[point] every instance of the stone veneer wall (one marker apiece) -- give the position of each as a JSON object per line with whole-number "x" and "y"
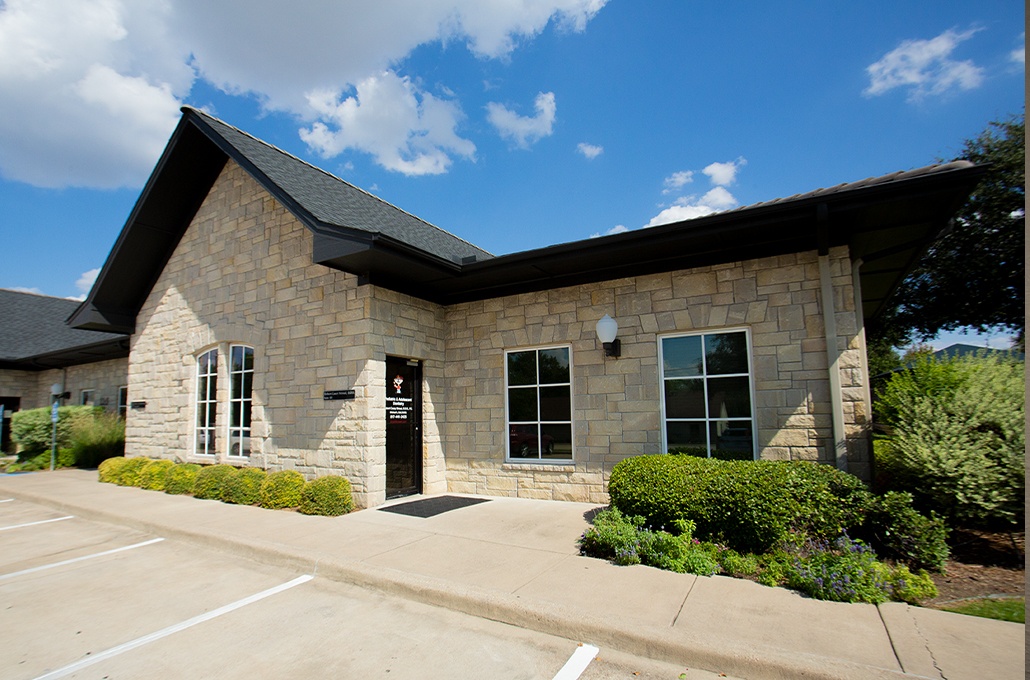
{"x": 617, "y": 407}
{"x": 242, "y": 273}
{"x": 33, "y": 387}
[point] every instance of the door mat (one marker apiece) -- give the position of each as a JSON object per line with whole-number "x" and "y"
{"x": 428, "y": 507}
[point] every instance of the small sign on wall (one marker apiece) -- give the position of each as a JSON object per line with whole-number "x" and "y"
{"x": 138, "y": 405}
{"x": 336, "y": 395}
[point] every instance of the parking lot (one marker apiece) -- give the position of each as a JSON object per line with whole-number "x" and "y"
{"x": 83, "y": 599}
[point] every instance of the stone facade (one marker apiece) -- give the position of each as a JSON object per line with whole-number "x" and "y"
{"x": 617, "y": 404}
{"x": 243, "y": 274}
{"x": 103, "y": 378}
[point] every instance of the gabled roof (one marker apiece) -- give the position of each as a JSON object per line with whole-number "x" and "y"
{"x": 887, "y": 222}
{"x": 34, "y": 335}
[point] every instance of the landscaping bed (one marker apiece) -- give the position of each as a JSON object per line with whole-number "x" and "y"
{"x": 982, "y": 564}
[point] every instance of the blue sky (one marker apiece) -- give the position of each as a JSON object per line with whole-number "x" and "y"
{"x": 514, "y": 125}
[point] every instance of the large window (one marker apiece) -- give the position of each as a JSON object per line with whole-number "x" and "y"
{"x": 241, "y": 381}
{"x": 207, "y": 403}
{"x": 706, "y": 394}
{"x": 539, "y": 403}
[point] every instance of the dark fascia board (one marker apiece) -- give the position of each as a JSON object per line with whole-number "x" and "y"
{"x": 117, "y": 348}
{"x": 922, "y": 204}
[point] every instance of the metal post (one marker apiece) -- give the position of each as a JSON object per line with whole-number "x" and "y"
{"x": 53, "y": 436}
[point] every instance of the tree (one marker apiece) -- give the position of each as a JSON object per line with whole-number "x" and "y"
{"x": 972, "y": 275}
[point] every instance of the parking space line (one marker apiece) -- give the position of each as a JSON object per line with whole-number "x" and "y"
{"x": 6, "y": 500}
{"x": 165, "y": 632}
{"x": 32, "y": 524}
{"x": 577, "y": 663}
{"x": 80, "y": 559}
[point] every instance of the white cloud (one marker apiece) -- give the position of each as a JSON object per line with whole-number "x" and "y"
{"x": 85, "y": 282}
{"x": 1018, "y": 55}
{"x": 925, "y": 67}
{"x": 403, "y": 128}
{"x": 524, "y": 130}
{"x": 724, "y": 174}
{"x": 715, "y": 200}
{"x": 617, "y": 229}
{"x": 677, "y": 180}
{"x": 91, "y": 88}
{"x": 590, "y": 151}
{"x": 23, "y": 289}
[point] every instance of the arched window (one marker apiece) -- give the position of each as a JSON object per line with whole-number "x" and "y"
{"x": 241, "y": 383}
{"x": 207, "y": 403}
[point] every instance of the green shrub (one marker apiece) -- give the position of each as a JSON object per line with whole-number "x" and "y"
{"x": 109, "y": 470}
{"x": 210, "y": 479}
{"x": 847, "y": 571}
{"x": 282, "y": 489}
{"x": 329, "y": 495}
{"x": 244, "y": 487}
{"x": 958, "y": 437}
{"x": 180, "y": 478}
{"x": 95, "y": 439}
{"x": 625, "y": 540}
{"x": 129, "y": 472}
{"x": 750, "y": 506}
{"x": 153, "y": 474}
{"x": 897, "y": 532}
{"x": 32, "y": 429}
{"x": 64, "y": 459}
{"x": 734, "y": 564}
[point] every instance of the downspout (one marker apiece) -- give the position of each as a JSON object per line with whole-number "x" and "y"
{"x": 840, "y": 447}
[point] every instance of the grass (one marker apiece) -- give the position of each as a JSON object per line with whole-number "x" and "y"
{"x": 1003, "y": 609}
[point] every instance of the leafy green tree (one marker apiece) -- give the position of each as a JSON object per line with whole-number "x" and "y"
{"x": 972, "y": 276}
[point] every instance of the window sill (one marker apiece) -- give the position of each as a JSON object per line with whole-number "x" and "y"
{"x": 540, "y": 466}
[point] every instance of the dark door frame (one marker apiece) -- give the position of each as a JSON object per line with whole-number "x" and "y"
{"x": 404, "y": 442}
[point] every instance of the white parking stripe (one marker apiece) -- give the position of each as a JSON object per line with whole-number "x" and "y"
{"x": 6, "y": 500}
{"x": 80, "y": 559}
{"x": 165, "y": 632}
{"x": 32, "y": 524}
{"x": 577, "y": 663}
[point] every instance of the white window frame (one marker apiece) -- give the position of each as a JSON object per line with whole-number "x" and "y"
{"x": 539, "y": 423}
{"x": 704, "y": 377}
{"x": 203, "y": 401}
{"x": 244, "y": 400}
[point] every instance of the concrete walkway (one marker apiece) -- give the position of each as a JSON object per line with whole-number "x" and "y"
{"x": 516, "y": 561}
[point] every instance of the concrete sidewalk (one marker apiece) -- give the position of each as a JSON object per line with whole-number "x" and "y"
{"x": 516, "y": 561}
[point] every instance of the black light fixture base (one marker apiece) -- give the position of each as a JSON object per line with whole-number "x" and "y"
{"x": 613, "y": 348}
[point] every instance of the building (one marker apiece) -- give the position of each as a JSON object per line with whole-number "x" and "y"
{"x": 280, "y": 317}
{"x": 39, "y": 350}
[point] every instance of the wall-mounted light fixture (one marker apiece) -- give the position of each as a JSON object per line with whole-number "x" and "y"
{"x": 607, "y": 328}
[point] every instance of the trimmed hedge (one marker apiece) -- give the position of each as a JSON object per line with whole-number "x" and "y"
{"x": 326, "y": 496}
{"x": 244, "y": 487}
{"x": 282, "y": 489}
{"x": 153, "y": 474}
{"x": 750, "y": 506}
{"x": 180, "y": 478}
{"x": 109, "y": 469}
{"x": 129, "y": 472}
{"x": 210, "y": 481}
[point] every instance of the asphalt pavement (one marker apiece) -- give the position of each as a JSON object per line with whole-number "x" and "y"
{"x": 516, "y": 561}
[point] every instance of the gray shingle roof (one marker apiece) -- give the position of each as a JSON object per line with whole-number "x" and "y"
{"x": 336, "y": 203}
{"x": 33, "y": 325}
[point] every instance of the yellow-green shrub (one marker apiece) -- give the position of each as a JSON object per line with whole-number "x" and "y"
{"x": 180, "y": 477}
{"x": 326, "y": 496}
{"x": 282, "y": 489}
{"x": 128, "y": 474}
{"x": 109, "y": 469}
{"x": 153, "y": 474}
{"x": 210, "y": 479}
{"x": 244, "y": 487}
